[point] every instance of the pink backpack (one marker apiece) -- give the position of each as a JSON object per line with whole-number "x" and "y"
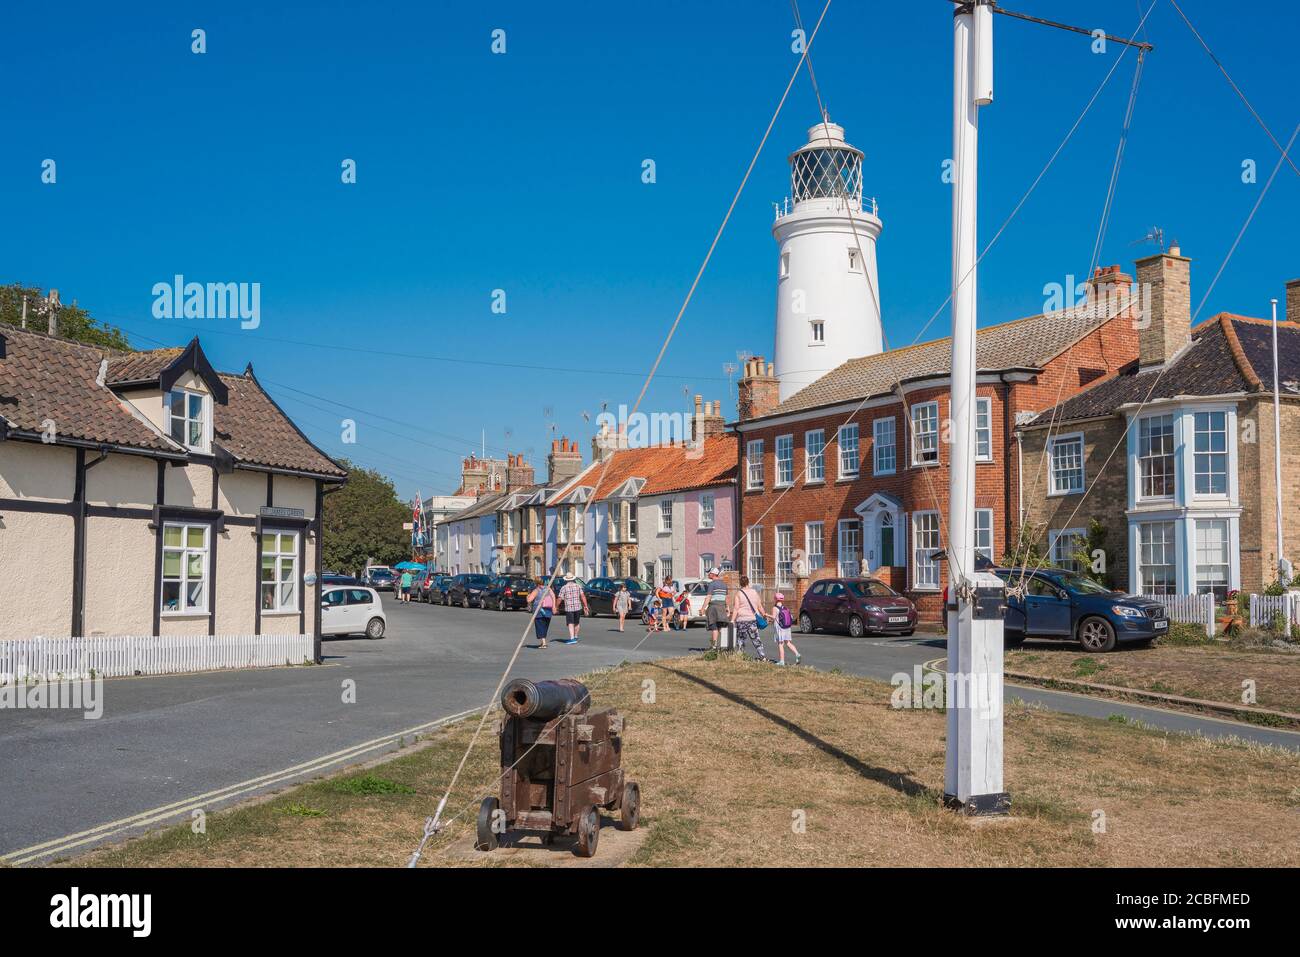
{"x": 784, "y": 617}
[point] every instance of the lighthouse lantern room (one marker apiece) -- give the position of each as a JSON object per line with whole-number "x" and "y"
{"x": 828, "y": 297}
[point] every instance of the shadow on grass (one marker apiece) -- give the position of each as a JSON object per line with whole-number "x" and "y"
{"x": 902, "y": 783}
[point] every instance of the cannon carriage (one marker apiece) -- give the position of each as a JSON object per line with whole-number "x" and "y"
{"x": 561, "y": 764}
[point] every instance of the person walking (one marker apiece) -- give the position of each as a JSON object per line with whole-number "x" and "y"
{"x": 715, "y": 606}
{"x": 622, "y": 603}
{"x": 666, "y": 594}
{"x": 406, "y": 587}
{"x": 542, "y": 601}
{"x": 574, "y": 600}
{"x": 746, "y": 610}
{"x": 784, "y": 626}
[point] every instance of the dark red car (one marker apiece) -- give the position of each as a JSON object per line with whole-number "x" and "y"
{"x": 858, "y": 606}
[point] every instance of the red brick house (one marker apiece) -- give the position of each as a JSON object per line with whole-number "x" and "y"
{"x": 846, "y": 474}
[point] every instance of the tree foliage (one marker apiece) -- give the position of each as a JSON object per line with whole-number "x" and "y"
{"x": 363, "y": 520}
{"x": 74, "y": 322}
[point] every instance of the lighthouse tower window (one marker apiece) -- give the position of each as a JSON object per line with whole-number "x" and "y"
{"x": 818, "y": 329}
{"x": 785, "y": 265}
{"x": 855, "y": 261}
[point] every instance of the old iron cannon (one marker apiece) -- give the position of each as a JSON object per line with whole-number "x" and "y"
{"x": 560, "y": 764}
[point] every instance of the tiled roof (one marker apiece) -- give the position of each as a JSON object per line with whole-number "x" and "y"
{"x": 484, "y": 506}
{"x": 1027, "y": 343}
{"x": 42, "y": 377}
{"x": 255, "y": 430}
{"x": 1229, "y": 354}
{"x": 126, "y": 367}
{"x": 671, "y": 468}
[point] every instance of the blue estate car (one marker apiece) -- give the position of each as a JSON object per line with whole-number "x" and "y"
{"x": 1059, "y": 604}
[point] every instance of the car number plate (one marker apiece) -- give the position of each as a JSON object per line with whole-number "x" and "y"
{"x": 897, "y": 619}
{"x": 1161, "y": 623}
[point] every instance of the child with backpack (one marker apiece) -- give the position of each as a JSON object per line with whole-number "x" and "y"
{"x": 784, "y": 625}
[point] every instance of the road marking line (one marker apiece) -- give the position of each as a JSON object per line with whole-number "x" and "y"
{"x": 153, "y": 815}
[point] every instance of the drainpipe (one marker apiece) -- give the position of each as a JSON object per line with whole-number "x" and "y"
{"x": 1277, "y": 449}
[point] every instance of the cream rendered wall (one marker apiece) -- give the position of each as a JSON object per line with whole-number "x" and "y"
{"x": 241, "y": 493}
{"x": 47, "y": 473}
{"x": 35, "y": 549}
{"x": 35, "y": 579}
{"x": 293, "y": 492}
{"x": 237, "y": 571}
{"x": 189, "y": 485}
{"x": 122, "y": 480}
{"x": 119, "y": 574}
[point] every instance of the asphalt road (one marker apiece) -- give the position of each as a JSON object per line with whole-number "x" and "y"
{"x": 165, "y": 746}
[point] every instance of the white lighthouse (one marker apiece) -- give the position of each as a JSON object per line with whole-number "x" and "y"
{"x": 828, "y": 297}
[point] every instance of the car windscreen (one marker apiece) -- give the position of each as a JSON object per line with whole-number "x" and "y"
{"x": 636, "y": 584}
{"x": 477, "y": 579}
{"x": 871, "y": 589}
{"x": 1083, "y": 585}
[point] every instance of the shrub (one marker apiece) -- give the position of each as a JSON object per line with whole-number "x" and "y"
{"x": 1182, "y": 633}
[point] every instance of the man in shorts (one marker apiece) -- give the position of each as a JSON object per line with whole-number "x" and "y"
{"x": 715, "y": 606}
{"x": 574, "y": 600}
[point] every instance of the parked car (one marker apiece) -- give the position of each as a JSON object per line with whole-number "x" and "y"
{"x": 1060, "y": 604}
{"x": 333, "y": 578}
{"x": 467, "y": 590}
{"x": 379, "y": 577}
{"x": 508, "y": 592}
{"x": 352, "y": 610}
{"x": 438, "y": 589}
{"x": 858, "y": 606}
{"x": 601, "y": 592}
{"x": 420, "y": 587}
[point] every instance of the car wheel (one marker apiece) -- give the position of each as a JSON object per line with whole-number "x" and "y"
{"x": 1096, "y": 634}
{"x": 501, "y": 604}
{"x": 806, "y": 624}
{"x": 856, "y": 628}
{"x": 464, "y": 602}
{"x": 375, "y": 628}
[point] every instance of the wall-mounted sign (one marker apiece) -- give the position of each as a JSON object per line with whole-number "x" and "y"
{"x": 280, "y": 511}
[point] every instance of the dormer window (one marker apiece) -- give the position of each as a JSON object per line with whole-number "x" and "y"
{"x": 187, "y": 418}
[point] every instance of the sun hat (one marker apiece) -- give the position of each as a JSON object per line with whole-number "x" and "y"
{"x": 715, "y": 570}
{"x": 568, "y": 577}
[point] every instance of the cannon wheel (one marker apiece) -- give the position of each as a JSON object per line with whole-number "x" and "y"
{"x": 588, "y": 832}
{"x": 629, "y": 814}
{"x": 488, "y": 839}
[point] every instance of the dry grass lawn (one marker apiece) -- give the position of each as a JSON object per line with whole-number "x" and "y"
{"x": 731, "y": 754}
{"x": 1207, "y": 672}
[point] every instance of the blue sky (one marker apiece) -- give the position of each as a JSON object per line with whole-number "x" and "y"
{"x": 522, "y": 172}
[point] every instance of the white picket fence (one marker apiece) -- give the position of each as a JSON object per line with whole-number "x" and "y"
{"x": 1263, "y": 608}
{"x": 1189, "y": 609}
{"x": 116, "y": 656}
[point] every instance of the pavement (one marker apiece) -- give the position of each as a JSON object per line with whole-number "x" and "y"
{"x": 167, "y": 746}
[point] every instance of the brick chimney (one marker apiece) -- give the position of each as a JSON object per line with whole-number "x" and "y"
{"x": 473, "y": 475}
{"x": 1109, "y": 291}
{"x": 1293, "y": 301}
{"x": 605, "y": 442}
{"x": 1165, "y": 286}
{"x": 758, "y": 391}
{"x": 519, "y": 474}
{"x": 708, "y": 419}
{"x": 564, "y": 462}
